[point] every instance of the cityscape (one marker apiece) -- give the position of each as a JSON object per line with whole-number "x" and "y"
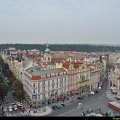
{"x": 60, "y": 58}
{"x": 59, "y": 83}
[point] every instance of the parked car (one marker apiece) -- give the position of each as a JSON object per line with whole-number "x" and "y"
{"x": 15, "y": 107}
{"x": 63, "y": 105}
{"x": 92, "y": 93}
{"x": 10, "y": 108}
{"x": 22, "y": 109}
{"x": 97, "y": 91}
{"x": 81, "y": 97}
{"x": 54, "y": 107}
{"x": 58, "y": 106}
{"x": 99, "y": 88}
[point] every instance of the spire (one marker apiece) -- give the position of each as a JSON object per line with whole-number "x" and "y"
{"x": 47, "y": 50}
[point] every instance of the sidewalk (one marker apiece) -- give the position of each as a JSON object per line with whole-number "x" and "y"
{"x": 109, "y": 95}
{"x": 40, "y": 112}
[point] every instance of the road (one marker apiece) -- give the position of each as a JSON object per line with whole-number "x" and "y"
{"x": 98, "y": 100}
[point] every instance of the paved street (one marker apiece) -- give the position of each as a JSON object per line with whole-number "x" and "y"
{"x": 98, "y": 100}
{"x": 18, "y": 113}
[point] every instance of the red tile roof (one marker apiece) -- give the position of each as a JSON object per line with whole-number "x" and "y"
{"x": 58, "y": 59}
{"x": 66, "y": 64}
{"x": 35, "y": 78}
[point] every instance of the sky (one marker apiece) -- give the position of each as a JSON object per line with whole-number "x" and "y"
{"x": 60, "y": 21}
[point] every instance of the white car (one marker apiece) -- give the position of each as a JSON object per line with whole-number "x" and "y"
{"x": 99, "y": 88}
{"x": 15, "y": 107}
{"x": 10, "y": 108}
{"x": 92, "y": 93}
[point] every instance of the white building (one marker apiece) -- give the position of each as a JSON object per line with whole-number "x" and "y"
{"x": 43, "y": 85}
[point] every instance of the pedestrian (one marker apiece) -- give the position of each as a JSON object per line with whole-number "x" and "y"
{"x": 29, "y": 110}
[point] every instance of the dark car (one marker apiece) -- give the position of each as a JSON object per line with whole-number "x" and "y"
{"x": 81, "y": 97}
{"x": 22, "y": 109}
{"x": 54, "y": 107}
{"x": 58, "y": 106}
{"x": 63, "y": 105}
{"x": 97, "y": 91}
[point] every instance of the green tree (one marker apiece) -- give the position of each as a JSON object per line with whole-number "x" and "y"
{"x": 8, "y": 73}
{"x": 3, "y": 90}
{"x": 1, "y": 79}
{"x": 5, "y": 67}
{"x": 11, "y": 79}
{"x": 17, "y": 86}
{"x": 1, "y": 62}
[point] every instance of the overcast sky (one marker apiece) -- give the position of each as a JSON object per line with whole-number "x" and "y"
{"x": 60, "y": 21}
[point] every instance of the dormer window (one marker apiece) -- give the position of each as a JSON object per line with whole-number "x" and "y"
{"x": 48, "y": 58}
{"x": 31, "y": 71}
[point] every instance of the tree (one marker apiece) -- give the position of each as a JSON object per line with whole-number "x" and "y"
{"x": 18, "y": 88}
{"x": 11, "y": 79}
{"x": 1, "y": 79}
{"x": 5, "y": 67}
{"x": 3, "y": 90}
{"x": 1, "y": 62}
{"x": 8, "y": 73}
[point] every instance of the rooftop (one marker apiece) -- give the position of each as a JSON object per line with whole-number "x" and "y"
{"x": 38, "y": 71}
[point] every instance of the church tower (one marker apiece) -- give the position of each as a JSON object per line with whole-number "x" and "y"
{"x": 47, "y": 55}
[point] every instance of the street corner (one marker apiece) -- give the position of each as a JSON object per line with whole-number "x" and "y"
{"x": 41, "y": 111}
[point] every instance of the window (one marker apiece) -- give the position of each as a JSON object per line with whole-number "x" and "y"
{"x": 48, "y": 58}
{"x": 83, "y": 77}
{"x": 53, "y": 85}
{"x": 61, "y": 80}
{"x": 62, "y": 85}
{"x": 43, "y": 88}
{"x": 61, "y": 90}
{"x": 57, "y": 85}
{"x": 33, "y": 91}
{"x": 57, "y": 80}
{"x": 43, "y": 96}
{"x": 64, "y": 72}
{"x": 48, "y": 82}
{"x": 48, "y": 75}
{"x": 33, "y": 84}
{"x": 53, "y": 81}
{"x": 49, "y": 94}
{"x": 38, "y": 96}
{"x": 43, "y": 82}
{"x": 43, "y": 76}
{"x": 38, "y": 87}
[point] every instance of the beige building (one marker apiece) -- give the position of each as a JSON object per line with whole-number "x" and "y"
{"x": 78, "y": 76}
{"x": 94, "y": 76}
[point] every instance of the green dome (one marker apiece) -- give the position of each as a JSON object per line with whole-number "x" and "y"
{"x": 47, "y": 50}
